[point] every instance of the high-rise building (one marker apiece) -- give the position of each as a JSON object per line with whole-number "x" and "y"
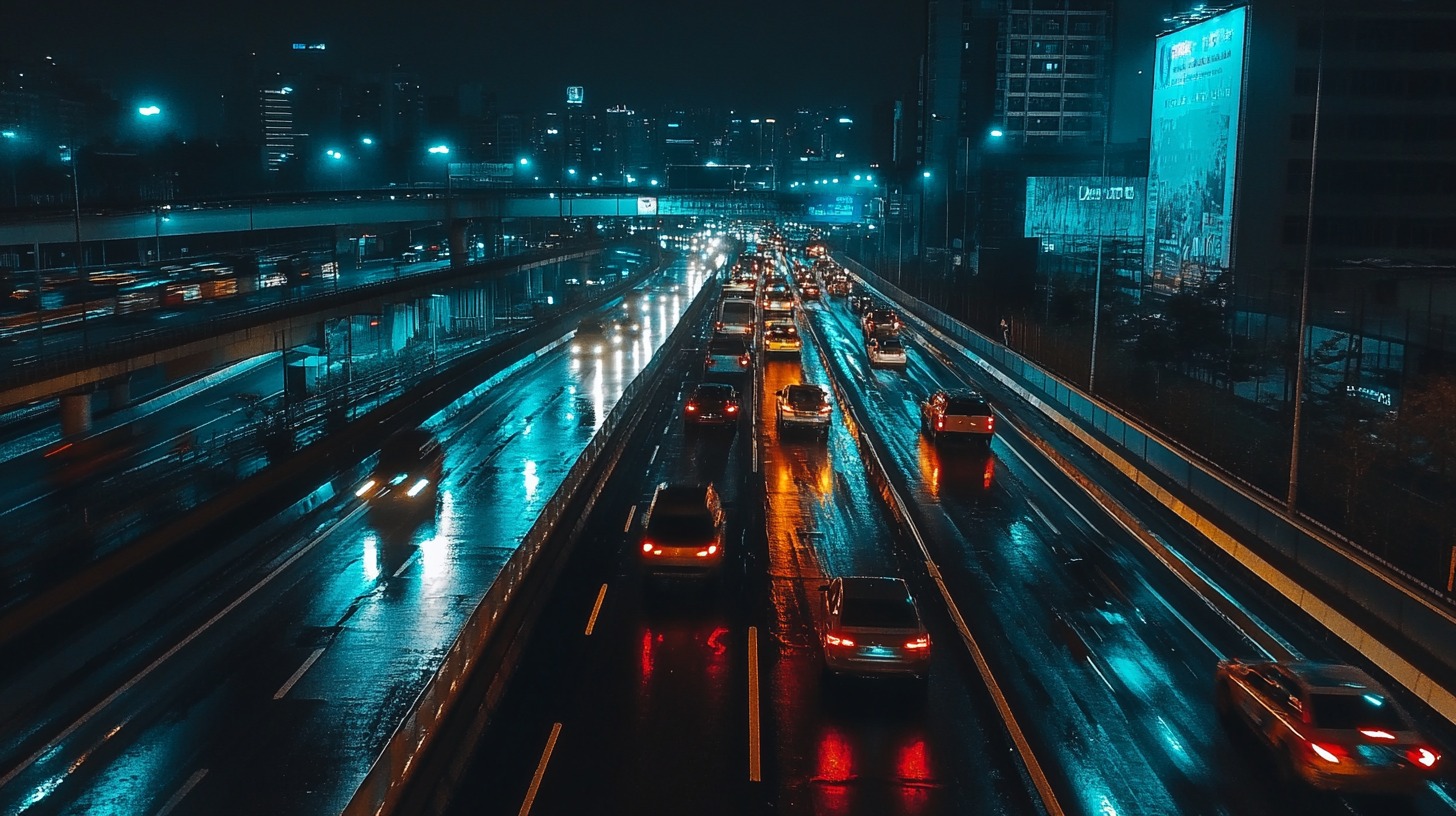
{"x": 1053, "y": 73}
{"x": 275, "y": 107}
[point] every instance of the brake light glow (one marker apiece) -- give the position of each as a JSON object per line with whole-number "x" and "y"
{"x": 836, "y": 640}
{"x": 364, "y": 488}
{"x": 647, "y": 546}
{"x": 922, "y": 642}
{"x": 731, "y": 408}
{"x": 1329, "y": 753}
{"x": 824, "y": 409}
{"x": 744, "y": 360}
{"x": 1424, "y": 757}
{"x": 990, "y": 422}
{"x": 712, "y": 549}
{"x": 1376, "y": 734}
{"x": 939, "y": 423}
{"x": 692, "y": 408}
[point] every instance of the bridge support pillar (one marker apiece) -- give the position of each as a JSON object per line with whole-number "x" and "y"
{"x": 459, "y": 250}
{"x": 397, "y": 326}
{"x": 490, "y": 235}
{"x": 118, "y": 393}
{"x": 75, "y": 414}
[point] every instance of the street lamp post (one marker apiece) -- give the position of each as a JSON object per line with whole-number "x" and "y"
{"x": 8, "y": 137}
{"x": 68, "y": 156}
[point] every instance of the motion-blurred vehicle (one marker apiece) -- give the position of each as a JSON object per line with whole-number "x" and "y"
{"x": 728, "y": 355}
{"x": 838, "y": 287}
{"x": 682, "y": 531}
{"x": 957, "y": 412}
{"x": 781, "y": 337}
{"x": 858, "y": 304}
{"x": 809, "y": 291}
{"x": 871, "y": 627}
{"x": 407, "y": 475}
{"x": 1330, "y": 726}
{"x": 712, "y": 404}
{"x": 593, "y": 337}
{"x": 801, "y": 406}
{"x": 777, "y": 298}
{"x": 79, "y": 461}
{"x": 885, "y": 351}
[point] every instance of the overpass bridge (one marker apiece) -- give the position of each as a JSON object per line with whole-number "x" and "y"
{"x": 412, "y": 205}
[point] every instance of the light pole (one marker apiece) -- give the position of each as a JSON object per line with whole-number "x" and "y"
{"x": 68, "y": 156}
{"x": 1097, "y": 272}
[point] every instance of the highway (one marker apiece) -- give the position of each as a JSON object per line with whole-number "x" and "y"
{"x": 267, "y": 683}
{"x": 636, "y": 700}
{"x": 290, "y": 653}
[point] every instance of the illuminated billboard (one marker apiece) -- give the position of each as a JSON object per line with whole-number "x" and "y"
{"x": 834, "y": 209}
{"x": 1085, "y": 206}
{"x": 575, "y": 95}
{"x": 1198, "y": 81}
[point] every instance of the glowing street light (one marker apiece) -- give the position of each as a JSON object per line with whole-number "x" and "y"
{"x": 525, "y": 162}
{"x": 997, "y": 133}
{"x": 366, "y": 141}
{"x": 149, "y": 110}
{"x": 440, "y": 149}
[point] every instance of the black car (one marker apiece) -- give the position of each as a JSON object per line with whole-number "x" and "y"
{"x": 712, "y": 404}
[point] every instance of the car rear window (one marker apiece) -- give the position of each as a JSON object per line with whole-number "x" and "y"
{"x": 1348, "y": 711}
{"x": 727, "y": 345}
{"x": 889, "y": 344}
{"x": 714, "y": 392}
{"x": 881, "y": 613}
{"x": 967, "y": 406}
{"x": 676, "y": 526}
{"x": 801, "y": 396}
{"x": 784, "y": 331}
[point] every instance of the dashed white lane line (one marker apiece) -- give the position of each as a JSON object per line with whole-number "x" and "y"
{"x": 540, "y": 770}
{"x": 407, "y": 564}
{"x": 591, "y": 623}
{"x": 1043, "y": 517}
{"x": 1044, "y": 481}
{"x": 298, "y": 675}
{"x": 171, "y": 804}
{"x": 655, "y": 449}
{"x": 631, "y": 511}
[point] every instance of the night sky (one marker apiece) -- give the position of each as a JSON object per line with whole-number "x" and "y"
{"x": 756, "y": 55}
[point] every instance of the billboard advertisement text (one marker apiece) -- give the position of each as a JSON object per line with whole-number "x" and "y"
{"x": 1085, "y": 206}
{"x": 1197, "y": 98}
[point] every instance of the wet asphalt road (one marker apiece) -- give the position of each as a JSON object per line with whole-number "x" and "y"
{"x": 273, "y": 684}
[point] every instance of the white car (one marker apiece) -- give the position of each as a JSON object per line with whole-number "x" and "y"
{"x": 803, "y": 406}
{"x": 886, "y": 351}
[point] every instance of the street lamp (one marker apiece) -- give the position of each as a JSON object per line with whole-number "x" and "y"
{"x": 443, "y": 150}
{"x": 9, "y": 137}
{"x": 336, "y": 158}
{"x": 68, "y": 156}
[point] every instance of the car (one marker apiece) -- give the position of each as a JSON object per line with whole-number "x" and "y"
{"x": 593, "y": 337}
{"x": 957, "y": 412}
{"x": 871, "y": 627}
{"x": 781, "y": 337}
{"x": 729, "y": 355}
{"x": 777, "y": 298}
{"x": 859, "y": 303}
{"x": 803, "y": 406}
{"x": 881, "y": 323}
{"x": 683, "y": 530}
{"x": 736, "y": 316}
{"x": 885, "y": 351}
{"x": 712, "y": 404}
{"x": 809, "y": 291}
{"x": 1330, "y": 726}
{"x": 407, "y": 474}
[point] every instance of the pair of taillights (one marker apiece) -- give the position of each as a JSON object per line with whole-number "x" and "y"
{"x": 1334, "y": 753}
{"x": 731, "y": 408}
{"x": 917, "y": 644}
{"x": 652, "y": 548}
{"x": 744, "y": 361}
{"x": 940, "y": 423}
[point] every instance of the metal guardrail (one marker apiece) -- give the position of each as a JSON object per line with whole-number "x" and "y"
{"x": 1416, "y": 616}
{"x": 382, "y": 787}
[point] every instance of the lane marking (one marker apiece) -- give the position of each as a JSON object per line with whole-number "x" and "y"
{"x": 591, "y": 623}
{"x": 171, "y": 804}
{"x": 1105, "y": 682}
{"x": 1044, "y": 481}
{"x": 50, "y": 746}
{"x": 1042, "y": 516}
{"x": 631, "y": 511}
{"x": 540, "y": 770}
{"x": 655, "y": 449}
{"x": 406, "y": 565}
{"x": 298, "y": 675}
{"x": 755, "y": 737}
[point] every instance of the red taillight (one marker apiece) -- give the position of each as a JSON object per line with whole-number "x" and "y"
{"x": 922, "y": 642}
{"x": 731, "y": 408}
{"x": 1329, "y": 752}
{"x": 836, "y": 640}
{"x": 1375, "y": 733}
{"x": 1424, "y": 757}
{"x": 692, "y": 408}
{"x": 718, "y": 325}
{"x": 824, "y": 409}
{"x": 647, "y": 546}
{"x": 745, "y": 361}
{"x": 990, "y": 422}
{"x": 939, "y": 422}
{"x": 710, "y": 362}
